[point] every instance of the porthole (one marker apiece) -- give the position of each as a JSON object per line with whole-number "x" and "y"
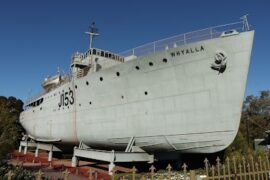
{"x": 145, "y": 92}
{"x": 101, "y": 78}
{"x": 40, "y": 108}
{"x": 151, "y": 64}
{"x": 79, "y": 104}
{"x": 90, "y": 102}
{"x": 87, "y": 83}
{"x": 164, "y": 60}
{"x": 122, "y": 97}
{"x": 76, "y": 86}
{"x": 117, "y": 73}
{"x": 137, "y": 67}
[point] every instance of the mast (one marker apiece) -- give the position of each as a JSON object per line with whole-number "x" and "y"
{"x": 245, "y": 22}
{"x": 93, "y": 31}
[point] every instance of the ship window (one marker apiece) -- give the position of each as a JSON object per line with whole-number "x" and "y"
{"x": 117, "y": 73}
{"x": 101, "y": 78}
{"x": 106, "y": 54}
{"x": 110, "y": 55}
{"x": 150, "y": 64}
{"x": 145, "y": 92}
{"x": 90, "y": 102}
{"x": 102, "y": 53}
{"x": 94, "y": 51}
{"x": 137, "y": 67}
{"x": 122, "y": 97}
{"x": 87, "y": 83}
{"x": 113, "y": 56}
{"x": 76, "y": 86}
{"x": 79, "y": 104}
{"x": 164, "y": 60}
{"x": 41, "y": 108}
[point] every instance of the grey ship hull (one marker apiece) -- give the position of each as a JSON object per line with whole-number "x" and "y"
{"x": 181, "y": 104}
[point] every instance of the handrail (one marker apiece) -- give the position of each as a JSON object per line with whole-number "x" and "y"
{"x": 186, "y": 38}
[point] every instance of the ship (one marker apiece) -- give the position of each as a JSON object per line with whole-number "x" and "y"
{"x": 180, "y": 94}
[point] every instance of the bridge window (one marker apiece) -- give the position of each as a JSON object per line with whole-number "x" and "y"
{"x": 102, "y": 53}
{"x": 106, "y": 54}
{"x": 94, "y": 51}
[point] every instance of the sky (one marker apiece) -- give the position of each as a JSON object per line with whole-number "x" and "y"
{"x": 38, "y": 36}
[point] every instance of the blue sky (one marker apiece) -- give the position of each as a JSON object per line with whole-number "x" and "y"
{"x": 37, "y": 36}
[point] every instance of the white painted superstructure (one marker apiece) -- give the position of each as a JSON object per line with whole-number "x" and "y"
{"x": 183, "y": 94}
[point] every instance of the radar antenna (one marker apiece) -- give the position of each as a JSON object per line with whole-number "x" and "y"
{"x": 93, "y": 31}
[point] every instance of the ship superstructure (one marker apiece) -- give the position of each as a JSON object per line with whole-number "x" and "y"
{"x": 183, "y": 94}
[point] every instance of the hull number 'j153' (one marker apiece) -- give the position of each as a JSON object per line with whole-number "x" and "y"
{"x": 66, "y": 98}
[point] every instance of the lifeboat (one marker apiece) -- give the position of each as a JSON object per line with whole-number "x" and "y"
{"x": 51, "y": 82}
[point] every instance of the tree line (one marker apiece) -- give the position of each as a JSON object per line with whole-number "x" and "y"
{"x": 255, "y": 122}
{"x": 10, "y": 128}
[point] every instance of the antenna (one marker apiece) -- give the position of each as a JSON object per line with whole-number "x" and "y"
{"x": 93, "y": 31}
{"x": 245, "y": 22}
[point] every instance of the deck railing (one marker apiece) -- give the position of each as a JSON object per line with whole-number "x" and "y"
{"x": 182, "y": 39}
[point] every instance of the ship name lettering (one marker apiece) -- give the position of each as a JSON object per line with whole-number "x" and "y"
{"x": 186, "y": 51}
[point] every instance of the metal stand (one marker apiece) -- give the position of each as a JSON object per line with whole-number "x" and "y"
{"x": 112, "y": 156}
{"x": 48, "y": 147}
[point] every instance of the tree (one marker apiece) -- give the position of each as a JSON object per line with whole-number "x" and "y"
{"x": 255, "y": 120}
{"x": 10, "y": 128}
